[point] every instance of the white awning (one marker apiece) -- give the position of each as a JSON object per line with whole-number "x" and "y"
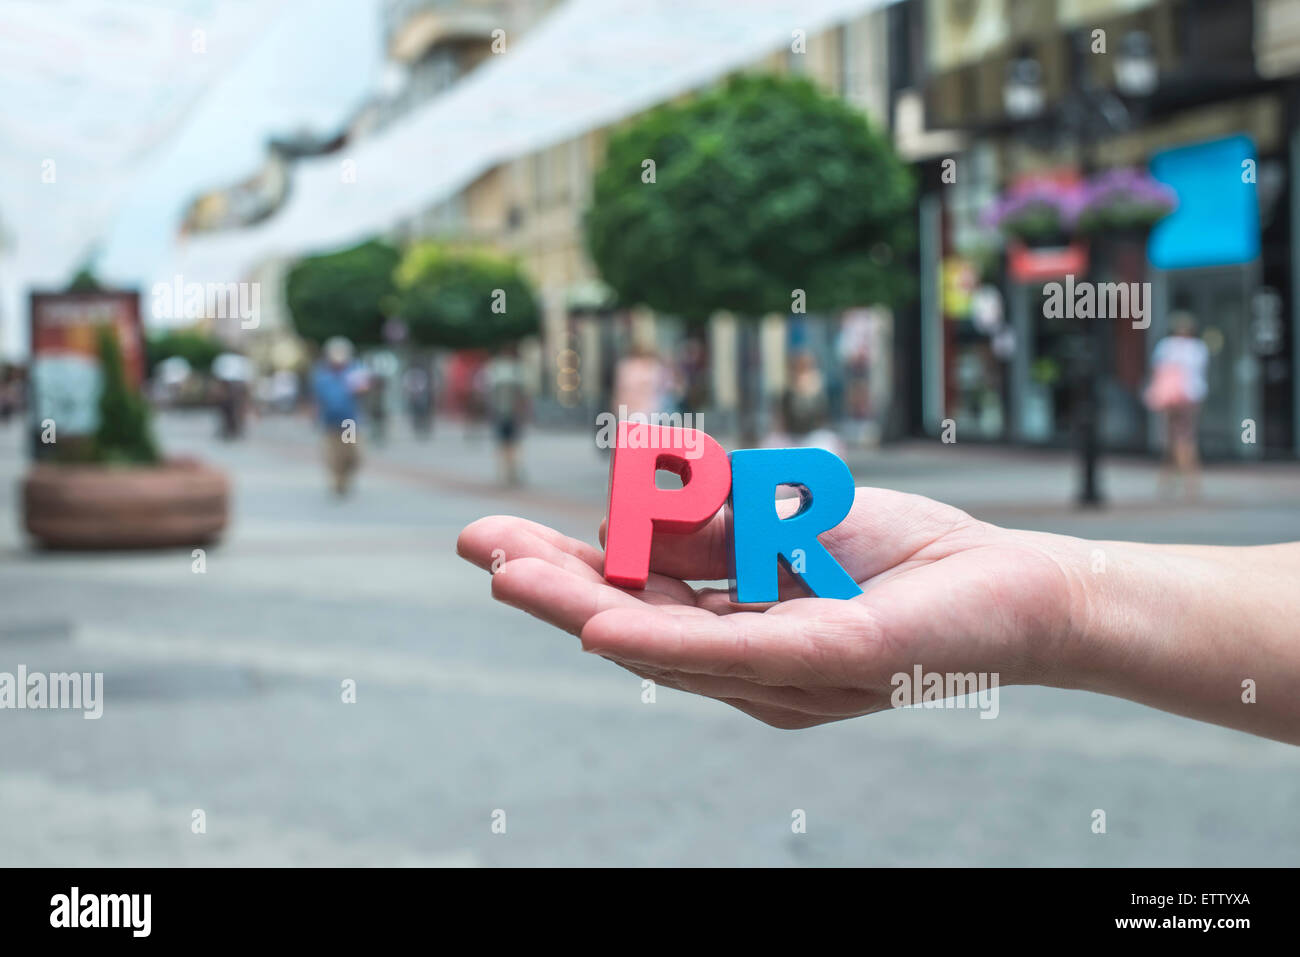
{"x": 590, "y": 63}
{"x": 100, "y": 87}
{"x": 88, "y": 90}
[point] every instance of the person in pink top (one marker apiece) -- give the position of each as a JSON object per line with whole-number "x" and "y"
{"x": 1178, "y": 387}
{"x": 641, "y": 383}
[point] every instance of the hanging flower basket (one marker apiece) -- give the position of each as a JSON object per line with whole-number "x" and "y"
{"x": 1123, "y": 204}
{"x": 1037, "y": 215}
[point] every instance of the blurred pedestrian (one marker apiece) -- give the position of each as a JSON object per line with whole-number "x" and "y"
{"x": 377, "y": 407}
{"x": 1177, "y": 389}
{"x": 642, "y": 382}
{"x": 337, "y": 383}
{"x": 692, "y": 376}
{"x": 507, "y": 406}
{"x": 284, "y": 390}
{"x": 466, "y": 385}
{"x": 232, "y": 373}
{"x": 223, "y": 393}
{"x": 417, "y": 390}
{"x": 805, "y": 406}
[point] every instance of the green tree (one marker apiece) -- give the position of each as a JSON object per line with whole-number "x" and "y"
{"x": 85, "y": 280}
{"x": 124, "y": 434}
{"x": 342, "y": 293}
{"x": 757, "y": 188}
{"x": 464, "y": 298}
{"x": 760, "y": 186}
{"x": 195, "y": 347}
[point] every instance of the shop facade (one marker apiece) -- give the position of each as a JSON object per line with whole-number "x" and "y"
{"x": 995, "y": 362}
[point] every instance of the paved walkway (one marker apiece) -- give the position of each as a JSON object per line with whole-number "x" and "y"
{"x": 223, "y": 694}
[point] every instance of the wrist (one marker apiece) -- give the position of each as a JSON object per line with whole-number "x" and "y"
{"x": 1114, "y": 601}
{"x": 1196, "y": 630}
{"x": 1127, "y": 599}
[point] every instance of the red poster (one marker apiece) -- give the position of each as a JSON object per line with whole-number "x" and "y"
{"x": 66, "y": 378}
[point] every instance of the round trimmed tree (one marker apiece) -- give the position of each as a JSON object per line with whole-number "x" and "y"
{"x": 342, "y": 293}
{"x": 749, "y": 192}
{"x": 197, "y": 348}
{"x": 461, "y": 298}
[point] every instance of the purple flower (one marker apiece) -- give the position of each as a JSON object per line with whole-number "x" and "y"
{"x": 1114, "y": 198}
{"x": 1033, "y": 199}
{"x": 1128, "y": 190}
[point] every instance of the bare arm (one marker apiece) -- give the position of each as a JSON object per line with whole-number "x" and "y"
{"x": 1209, "y": 632}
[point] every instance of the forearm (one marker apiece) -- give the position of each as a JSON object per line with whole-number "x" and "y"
{"x": 1209, "y": 632}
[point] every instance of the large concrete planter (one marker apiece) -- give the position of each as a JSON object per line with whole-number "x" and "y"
{"x": 181, "y": 502}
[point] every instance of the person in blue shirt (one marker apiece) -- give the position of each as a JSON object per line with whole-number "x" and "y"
{"x": 337, "y": 381}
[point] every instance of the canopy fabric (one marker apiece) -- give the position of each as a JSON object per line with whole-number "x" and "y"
{"x": 590, "y": 63}
{"x": 94, "y": 89}
{"x": 90, "y": 89}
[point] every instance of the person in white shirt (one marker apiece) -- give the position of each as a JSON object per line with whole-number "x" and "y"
{"x": 1178, "y": 387}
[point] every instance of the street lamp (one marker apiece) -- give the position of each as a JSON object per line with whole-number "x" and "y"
{"x": 1086, "y": 111}
{"x": 1022, "y": 94}
{"x": 1136, "y": 69}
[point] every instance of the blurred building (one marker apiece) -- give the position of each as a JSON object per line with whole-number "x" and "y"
{"x": 258, "y": 196}
{"x": 432, "y": 44}
{"x": 532, "y": 206}
{"x": 429, "y": 45}
{"x": 980, "y": 95}
{"x": 1213, "y": 113}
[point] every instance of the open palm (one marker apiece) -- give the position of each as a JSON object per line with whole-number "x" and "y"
{"x": 940, "y": 590}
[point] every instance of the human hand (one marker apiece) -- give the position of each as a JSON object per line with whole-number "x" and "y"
{"x": 940, "y": 590}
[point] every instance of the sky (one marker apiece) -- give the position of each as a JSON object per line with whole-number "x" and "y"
{"x": 289, "y": 81}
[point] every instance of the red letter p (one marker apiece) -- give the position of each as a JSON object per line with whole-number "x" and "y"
{"x": 637, "y": 508}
